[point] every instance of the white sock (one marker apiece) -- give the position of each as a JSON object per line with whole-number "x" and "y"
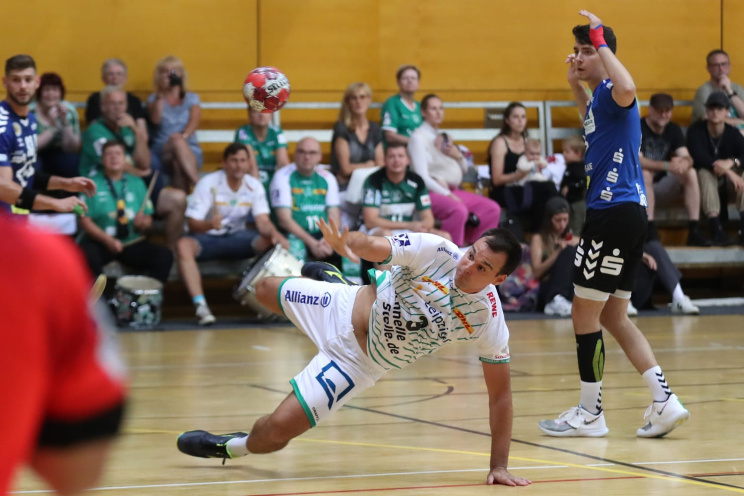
{"x": 591, "y": 396}
{"x": 678, "y": 294}
{"x": 657, "y": 383}
{"x": 238, "y": 446}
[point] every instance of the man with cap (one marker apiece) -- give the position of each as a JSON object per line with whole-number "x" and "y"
{"x": 718, "y": 65}
{"x": 717, "y": 149}
{"x": 667, "y": 167}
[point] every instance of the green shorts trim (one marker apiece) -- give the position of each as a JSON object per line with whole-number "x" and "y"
{"x": 486, "y": 360}
{"x": 302, "y": 402}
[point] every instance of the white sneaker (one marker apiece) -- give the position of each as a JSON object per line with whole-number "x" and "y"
{"x": 204, "y": 314}
{"x": 685, "y": 306}
{"x": 575, "y": 422}
{"x": 632, "y": 311}
{"x": 663, "y": 418}
{"x": 559, "y": 306}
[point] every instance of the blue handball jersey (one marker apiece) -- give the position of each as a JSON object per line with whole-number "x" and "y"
{"x": 613, "y": 141}
{"x": 17, "y": 146}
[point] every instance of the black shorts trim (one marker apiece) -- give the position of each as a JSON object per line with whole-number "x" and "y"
{"x": 59, "y": 434}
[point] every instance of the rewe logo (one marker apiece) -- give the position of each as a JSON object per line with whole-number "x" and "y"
{"x": 494, "y": 305}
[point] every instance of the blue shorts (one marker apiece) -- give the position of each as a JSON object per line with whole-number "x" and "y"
{"x": 232, "y": 246}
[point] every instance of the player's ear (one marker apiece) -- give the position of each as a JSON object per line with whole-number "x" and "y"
{"x": 499, "y": 279}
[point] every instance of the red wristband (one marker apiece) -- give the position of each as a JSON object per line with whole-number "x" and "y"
{"x": 597, "y": 37}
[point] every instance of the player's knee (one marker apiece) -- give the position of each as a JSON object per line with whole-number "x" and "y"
{"x": 267, "y": 290}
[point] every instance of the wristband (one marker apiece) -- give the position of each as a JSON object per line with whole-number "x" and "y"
{"x": 666, "y": 166}
{"x": 26, "y": 199}
{"x": 597, "y": 37}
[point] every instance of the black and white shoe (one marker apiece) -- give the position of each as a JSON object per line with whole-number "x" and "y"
{"x": 323, "y": 271}
{"x": 202, "y": 444}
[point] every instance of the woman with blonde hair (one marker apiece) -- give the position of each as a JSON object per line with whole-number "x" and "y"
{"x": 356, "y": 142}
{"x": 175, "y": 113}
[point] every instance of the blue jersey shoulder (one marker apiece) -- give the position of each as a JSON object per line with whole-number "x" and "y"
{"x": 18, "y": 144}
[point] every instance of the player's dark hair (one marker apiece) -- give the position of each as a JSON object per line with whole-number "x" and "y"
{"x": 233, "y": 149}
{"x": 50, "y": 79}
{"x": 501, "y": 240}
{"x": 425, "y": 101}
{"x": 112, "y": 143}
{"x": 581, "y": 33}
{"x": 404, "y": 68}
{"x": 18, "y": 63}
{"x": 715, "y": 52}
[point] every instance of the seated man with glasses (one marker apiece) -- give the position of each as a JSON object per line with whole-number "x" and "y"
{"x": 719, "y": 68}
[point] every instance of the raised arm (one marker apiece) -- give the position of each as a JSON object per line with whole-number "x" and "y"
{"x": 354, "y": 245}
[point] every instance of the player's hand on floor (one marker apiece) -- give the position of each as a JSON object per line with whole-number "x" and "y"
{"x": 500, "y": 475}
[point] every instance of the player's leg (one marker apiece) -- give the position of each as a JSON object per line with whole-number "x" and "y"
{"x": 267, "y": 292}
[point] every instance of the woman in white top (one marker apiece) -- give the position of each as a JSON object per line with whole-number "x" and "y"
{"x": 441, "y": 165}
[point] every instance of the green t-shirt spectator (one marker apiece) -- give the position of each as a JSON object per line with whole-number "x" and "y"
{"x": 397, "y": 202}
{"x": 265, "y": 150}
{"x": 102, "y": 206}
{"x": 399, "y": 118}
{"x": 92, "y": 144}
{"x": 72, "y": 118}
{"x": 309, "y": 197}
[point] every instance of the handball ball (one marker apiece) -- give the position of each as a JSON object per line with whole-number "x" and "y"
{"x": 266, "y": 89}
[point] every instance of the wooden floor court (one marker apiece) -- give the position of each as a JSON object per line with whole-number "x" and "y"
{"x": 424, "y": 430}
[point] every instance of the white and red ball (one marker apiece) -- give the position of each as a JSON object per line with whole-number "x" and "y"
{"x": 266, "y": 89}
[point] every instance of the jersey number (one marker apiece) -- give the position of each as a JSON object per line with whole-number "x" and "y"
{"x": 312, "y": 222}
{"x": 415, "y": 326}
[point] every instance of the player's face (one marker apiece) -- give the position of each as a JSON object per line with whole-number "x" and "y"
{"x": 434, "y": 113}
{"x": 588, "y": 62}
{"x": 479, "y": 267}
{"x": 359, "y": 102}
{"x": 113, "y": 159}
{"x": 396, "y": 159}
{"x": 307, "y": 156}
{"x": 50, "y": 96}
{"x": 258, "y": 119}
{"x": 660, "y": 117}
{"x": 517, "y": 120}
{"x": 114, "y": 105}
{"x": 719, "y": 66}
{"x": 236, "y": 166}
{"x": 409, "y": 81}
{"x": 114, "y": 75}
{"x": 559, "y": 221}
{"x": 716, "y": 115}
{"x": 21, "y": 86}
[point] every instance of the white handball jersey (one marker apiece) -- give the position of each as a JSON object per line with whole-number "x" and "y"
{"x": 235, "y": 207}
{"x": 418, "y": 308}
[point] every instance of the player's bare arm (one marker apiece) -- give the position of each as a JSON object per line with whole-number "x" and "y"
{"x": 623, "y": 86}
{"x": 354, "y": 245}
{"x": 581, "y": 95}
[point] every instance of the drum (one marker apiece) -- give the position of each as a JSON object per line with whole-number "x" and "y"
{"x": 276, "y": 262}
{"x": 137, "y": 302}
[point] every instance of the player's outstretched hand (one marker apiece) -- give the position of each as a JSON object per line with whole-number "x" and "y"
{"x": 594, "y": 21}
{"x": 80, "y": 184}
{"x": 337, "y": 239}
{"x": 500, "y": 475}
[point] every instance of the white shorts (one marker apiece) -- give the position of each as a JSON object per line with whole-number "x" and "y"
{"x": 341, "y": 370}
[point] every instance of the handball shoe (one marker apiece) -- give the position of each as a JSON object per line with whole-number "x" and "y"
{"x": 323, "y": 271}
{"x": 206, "y": 445}
{"x": 575, "y": 422}
{"x": 663, "y": 417}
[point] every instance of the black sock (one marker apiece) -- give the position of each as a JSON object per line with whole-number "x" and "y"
{"x": 693, "y": 225}
{"x": 591, "y": 354}
{"x": 715, "y": 225}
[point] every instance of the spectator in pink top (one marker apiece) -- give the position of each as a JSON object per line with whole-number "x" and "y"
{"x": 434, "y": 157}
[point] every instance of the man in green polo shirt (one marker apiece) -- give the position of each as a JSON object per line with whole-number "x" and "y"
{"x": 268, "y": 143}
{"x": 114, "y": 225}
{"x": 401, "y": 114}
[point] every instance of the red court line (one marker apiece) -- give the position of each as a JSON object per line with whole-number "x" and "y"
{"x": 413, "y": 488}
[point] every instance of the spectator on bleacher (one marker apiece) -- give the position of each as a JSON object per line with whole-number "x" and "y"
{"x": 267, "y": 142}
{"x": 552, "y": 253}
{"x": 218, "y": 209}
{"x": 441, "y": 164}
{"x": 356, "y": 142}
{"x": 401, "y": 114}
{"x": 58, "y": 128}
{"x": 114, "y": 73}
{"x": 717, "y": 149}
{"x": 532, "y": 162}
{"x": 718, "y": 65}
{"x": 302, "y": 193}
{"x": 116, "y": 124}
{"x": 657, "y": 264}
{"x": 573, "y": 183}
{"x": 175, "y": 113}
{"x": 667, "y": 167}
{"x": 118, "y": 216}
{"x": 520, "y": 201}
